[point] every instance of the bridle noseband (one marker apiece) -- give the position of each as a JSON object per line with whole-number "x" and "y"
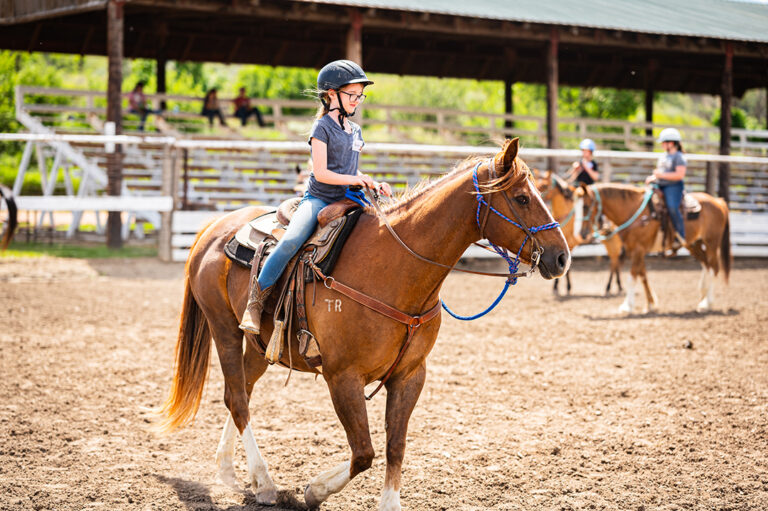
{"x": 530, "y": 232}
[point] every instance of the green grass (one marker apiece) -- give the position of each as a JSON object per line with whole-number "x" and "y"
{"x": 76, "y": 251}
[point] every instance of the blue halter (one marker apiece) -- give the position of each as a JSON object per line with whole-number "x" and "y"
{"x": 513, "y": 263}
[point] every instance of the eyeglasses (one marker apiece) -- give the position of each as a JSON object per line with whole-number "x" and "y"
{"x": 354, "y": 97}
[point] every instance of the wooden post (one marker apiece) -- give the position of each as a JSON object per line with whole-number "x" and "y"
{"x": 114, "y": 114}
{"x": 355, "y": 50}
{"x": 354, "y": 37}
{"x": 552, "y": 81}
{"x": 649, "y": 117}
{"x": 710, "y": 185}
{"x": 168, "y": 188}
{"x": 509, "y": 107}
{"x": 184, "y": 198}
{"x": 161, "y": 77}
{"x": 725, "y": 121}
{"x": 649, "y": 77}
{"x": 162, "y": 34}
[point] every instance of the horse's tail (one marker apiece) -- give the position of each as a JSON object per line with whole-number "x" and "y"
{"x": 13, "y": 214}
{"x": 193, "y": 355}
{"x": 726, "y": 257}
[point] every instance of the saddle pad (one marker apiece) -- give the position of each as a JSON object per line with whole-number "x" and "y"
{"x": 243, "y": 255}
{"x": 238, "y": 253}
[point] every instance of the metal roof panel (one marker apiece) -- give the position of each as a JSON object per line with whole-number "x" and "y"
{"x": 719, "y": 19}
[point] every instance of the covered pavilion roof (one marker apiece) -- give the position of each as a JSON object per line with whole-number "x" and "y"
{"x": 657, "y": 44}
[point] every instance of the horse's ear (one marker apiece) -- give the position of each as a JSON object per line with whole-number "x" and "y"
{"x": 578, "y": 192}
{"x": 510, "y": 153}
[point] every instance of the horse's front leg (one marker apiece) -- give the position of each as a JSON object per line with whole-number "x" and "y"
{"x": 347, "y": 394}
{"x": 402, "y": 395}
{"x": 637, "y": 272}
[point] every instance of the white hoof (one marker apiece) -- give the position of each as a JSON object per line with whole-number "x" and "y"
{"x": 266, "y": 496}
{"x": 703, "y": 306}
{"x": 310, "y": 500}
{"x": 624, "y": 308}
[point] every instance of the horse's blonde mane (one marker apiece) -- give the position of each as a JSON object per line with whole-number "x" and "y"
{"x": 518, "y": 172}
{"x": 412, "y": 193}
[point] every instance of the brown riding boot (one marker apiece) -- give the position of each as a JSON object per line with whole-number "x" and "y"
{"x": 251, "y": 322}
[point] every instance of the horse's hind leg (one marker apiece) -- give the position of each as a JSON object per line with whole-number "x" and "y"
{"x": 347, "y": 394}
{"x": 709, "y": 268}
{"x": 255, "y": 366}
{"x": 229, "y": 346}
{"x": 401, "y": 399}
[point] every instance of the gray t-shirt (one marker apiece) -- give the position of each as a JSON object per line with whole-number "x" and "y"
{"x": 343, "y": 155}
{"x": 668, "y": 163}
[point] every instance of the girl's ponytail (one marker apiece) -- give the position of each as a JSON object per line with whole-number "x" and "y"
{"x": 325, "y": 104}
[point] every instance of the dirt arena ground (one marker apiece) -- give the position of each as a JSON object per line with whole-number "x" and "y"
{"x": 546, "y": 404}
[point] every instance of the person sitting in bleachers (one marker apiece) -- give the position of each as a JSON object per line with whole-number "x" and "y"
{"x": 138, "y": 104}
{"x": 211, "y": 107}
{"x": 243, "y": 109}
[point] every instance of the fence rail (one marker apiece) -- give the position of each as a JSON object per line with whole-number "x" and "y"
{"x": 227, "y": 174}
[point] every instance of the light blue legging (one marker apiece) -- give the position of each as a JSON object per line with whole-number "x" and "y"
{"x": 303, "y": 223}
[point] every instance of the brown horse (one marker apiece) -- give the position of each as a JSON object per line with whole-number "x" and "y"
{"x": 358, "y": 345}
{"x": 707, "y": 237}
{"x": 7, "y": 196}
{"x": 562, "y": 198}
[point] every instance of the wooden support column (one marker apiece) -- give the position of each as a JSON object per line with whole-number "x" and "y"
{"x": 509, "y": 107}
{"x": 649, "y": 118}
{"x": 726, "y": 96}
{"x": 650, "y": 76}
{"x": 162, "y": 59}
{"x": 355, "y": 37}
{"x": 552, "y": 84}
{"x": 114, "y": 114}
{"x": 355, "y": 51}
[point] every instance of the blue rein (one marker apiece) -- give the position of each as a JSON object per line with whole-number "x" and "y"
{"x": 513, "y": 263}
{"x": 601, "y": 237}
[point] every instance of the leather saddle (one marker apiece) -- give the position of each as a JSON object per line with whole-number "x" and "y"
{"x": 690, "y": 207}
{"x": 255, "y": 240}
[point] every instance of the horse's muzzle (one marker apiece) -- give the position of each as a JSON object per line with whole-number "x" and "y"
{"x": 554, "y": 263}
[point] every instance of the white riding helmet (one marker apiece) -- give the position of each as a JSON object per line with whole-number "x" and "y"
{"x": 669, "y": 135}
{"x": 587, "y": 143}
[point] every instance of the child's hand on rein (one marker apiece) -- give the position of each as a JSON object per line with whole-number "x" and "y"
{"x": 384, "y": 188}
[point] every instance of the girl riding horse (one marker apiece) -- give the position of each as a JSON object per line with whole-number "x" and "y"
{"x": 335, "y": 143}
{"x": 404, "y": 270}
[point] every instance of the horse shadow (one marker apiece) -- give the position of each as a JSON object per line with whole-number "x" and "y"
{"x": 692, "y": 314}
{"x": 196, "y": 496}
{"x": 567, "y": 298}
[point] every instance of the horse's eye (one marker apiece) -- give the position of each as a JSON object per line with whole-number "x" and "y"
{"x": 522, "y": 200}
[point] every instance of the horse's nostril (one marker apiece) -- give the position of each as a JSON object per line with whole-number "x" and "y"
{"x": 562, "y": 260}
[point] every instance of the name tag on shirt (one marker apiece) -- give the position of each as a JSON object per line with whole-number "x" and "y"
{"x": 357, "y": 145}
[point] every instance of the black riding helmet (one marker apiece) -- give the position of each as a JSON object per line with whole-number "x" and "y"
{"x": 336, "y": 75}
